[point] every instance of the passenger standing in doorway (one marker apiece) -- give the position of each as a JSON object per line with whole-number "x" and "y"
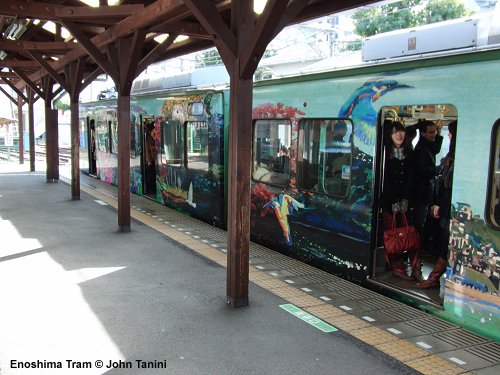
{"x": 150, "y": 168}
{"x": 427, "y": 148}
{"x": 441, "y": 211}
{"x": 399, "y": 165}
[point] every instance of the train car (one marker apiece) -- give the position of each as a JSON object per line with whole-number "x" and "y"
{"x": 318, "y": 167}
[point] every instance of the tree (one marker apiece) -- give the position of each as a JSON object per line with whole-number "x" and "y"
{"x": 368, "y": 22}
{"x": 442, "y": 10}
{"x": 404, "y": 14}
{"x": 207, "y": 58}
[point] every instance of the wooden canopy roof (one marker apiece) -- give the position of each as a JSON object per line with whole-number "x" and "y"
{"x": 28, "y": 52}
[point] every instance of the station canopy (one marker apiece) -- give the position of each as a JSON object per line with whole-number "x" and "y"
{"x": 41, "y": 37}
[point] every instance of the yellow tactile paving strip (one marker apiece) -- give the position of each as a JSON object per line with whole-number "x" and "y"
{"x": 401, "y": 350}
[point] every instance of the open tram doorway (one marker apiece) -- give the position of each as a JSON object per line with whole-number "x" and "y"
{"x": 148, "y": 156}
{"x": 91, "y": 134}
{"x": 435, "y": 238}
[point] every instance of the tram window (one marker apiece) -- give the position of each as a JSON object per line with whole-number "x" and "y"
{"x": 102, "y": 136}
{"x": 493, "y": 201}
{"x": 114, "y": 136}
{"x": 325, "y": 156}
{"x": 172, "y": 141}
{"x": 197, "y": 145}
{"x": 271, "y": 151}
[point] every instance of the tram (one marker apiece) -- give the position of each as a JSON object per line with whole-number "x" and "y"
{"x": 317, "y": 167}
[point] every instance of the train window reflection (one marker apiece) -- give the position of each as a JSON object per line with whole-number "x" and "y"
{"x": 172, "y": 141}
{"x": 325, "y": 156}
{"x": 102, "y": 136}
{"x": 271, "y": 151}
{"x": 197, "y": 145}
{"x": 493, "y": 201}
{"x": 114, "y": 136}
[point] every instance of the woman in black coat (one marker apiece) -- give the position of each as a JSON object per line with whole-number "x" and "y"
{"x": 397, "y": 190}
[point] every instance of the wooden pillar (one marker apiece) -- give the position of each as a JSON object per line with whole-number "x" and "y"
{"x": 31, "y": 124}
{"x": 240, "y": 151}
{"x": 123, "y": 163}
{"x": 20, "y": 128}
{"x": 51, "y": 143}
{"x": 75, "y": 150}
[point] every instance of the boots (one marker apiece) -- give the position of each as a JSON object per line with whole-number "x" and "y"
{"x": 416, "y": 266}
{"x": 433, "y": 279}
{"x": 398, "y": 267}
{"x": 416, "y": 272}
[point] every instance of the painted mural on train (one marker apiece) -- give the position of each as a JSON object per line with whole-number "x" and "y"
{"x": 193, "y": 190}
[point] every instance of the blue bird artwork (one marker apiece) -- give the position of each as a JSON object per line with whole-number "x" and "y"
{"x": 359, "y": 107}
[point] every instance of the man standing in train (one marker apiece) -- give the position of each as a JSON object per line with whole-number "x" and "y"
{"x": 428, "y": 146}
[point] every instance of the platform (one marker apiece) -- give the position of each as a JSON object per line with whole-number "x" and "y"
{"x": 74, "y": 288}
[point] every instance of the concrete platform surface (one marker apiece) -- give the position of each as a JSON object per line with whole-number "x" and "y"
{"x": 79, "y": 297}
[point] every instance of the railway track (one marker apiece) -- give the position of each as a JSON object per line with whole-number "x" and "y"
{"x": 12, "y": 153}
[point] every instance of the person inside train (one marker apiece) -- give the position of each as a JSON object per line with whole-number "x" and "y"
{"x": 428, "y": 146}
{"x": 441, "y": 210}
{"x": 150, "y": 151}
{"x": 337, "y": 160}
{"x": 283, "y": 160}
{"x": 411, "y": 133}
{"x": 399, "y": 164}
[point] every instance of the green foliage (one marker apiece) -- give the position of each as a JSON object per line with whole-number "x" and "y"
{"x": 442, "y": 10}
{"x": 62, "y": 106}
{"x": 385, "y": 18}
{"x": 404, "y": 14}
{"x": 208, "y": 58}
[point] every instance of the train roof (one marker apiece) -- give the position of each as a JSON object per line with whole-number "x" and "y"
{"x": 213, "y": 76}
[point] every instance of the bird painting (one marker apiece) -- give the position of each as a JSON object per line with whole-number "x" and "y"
{"x": 359, "y": 107}
{"x": 283, "y": 206}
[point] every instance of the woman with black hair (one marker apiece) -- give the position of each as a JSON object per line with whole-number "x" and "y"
{"x": 441, "y": 211}
{"x": 399, "y": 165}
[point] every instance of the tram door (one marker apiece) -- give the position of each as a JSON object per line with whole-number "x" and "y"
{"x": 92, "y": 149}
{"x": 398, "y": 275}
{"x": 148, "y": 156}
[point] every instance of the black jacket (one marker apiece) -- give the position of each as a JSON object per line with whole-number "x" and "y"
{"x": 398, "y": 180}
{"x": 425, "y": 171}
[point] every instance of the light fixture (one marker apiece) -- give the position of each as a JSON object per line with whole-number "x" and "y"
{"x": 15, "y": 30}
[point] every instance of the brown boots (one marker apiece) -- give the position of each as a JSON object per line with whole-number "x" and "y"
{"x": 433, "y": 279}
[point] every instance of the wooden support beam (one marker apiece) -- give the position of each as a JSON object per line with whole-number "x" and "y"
{"x": 265, "y": 29}
{"x": 53, "y": 12}
{"x": 31, "y": 124}
{"x": 91, "y": 49}
{"x": 207, "y": 14}
{"x": 48, "y": 47}
{"x": 155, "y": 53}
{"x": 74, "y": 75}
{"x": 20, "y": 128}
{"x": 191, "y": 29}
{"x": 92, "y": 75}
{"x": 123, "y": 163}
{"x": 89, "y": 13}
{"x": 16, "y": 90}
{"x": 12, "y": 99}
{"x": 29, "y": 82}
{"x": 45, "y": 65}
{"x": 8, "y": 75}
{"x": 130, "y": 53}
{"x": 12, "y": 63}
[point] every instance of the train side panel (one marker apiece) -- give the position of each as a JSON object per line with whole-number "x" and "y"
{"x": 336, "y": 234}
{"x": 194, "y": 186}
